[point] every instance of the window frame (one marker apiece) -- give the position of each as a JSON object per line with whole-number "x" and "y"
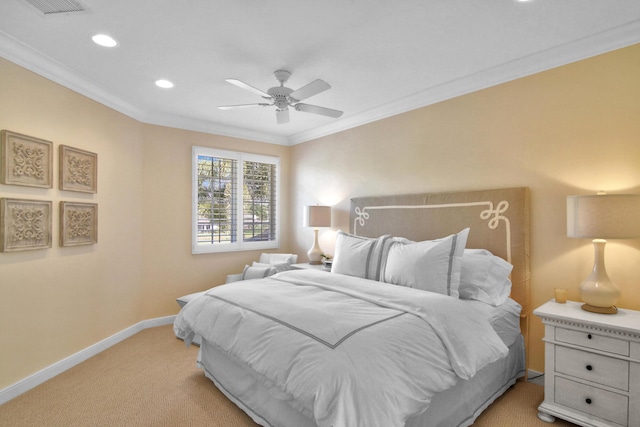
{"x": 240, "y": 244}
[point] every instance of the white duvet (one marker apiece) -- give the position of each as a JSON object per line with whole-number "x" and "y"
{"x": 345, "y": 351}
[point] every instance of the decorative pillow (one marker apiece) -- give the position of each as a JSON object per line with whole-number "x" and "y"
{"x": 284, "y": 266}
{"x": 269, "y": 258}
{"x": 431, "y": 265}
{"x": 257, "y": 272}
{"x": 484, "y": 277}
{"x": 359, "y": 256}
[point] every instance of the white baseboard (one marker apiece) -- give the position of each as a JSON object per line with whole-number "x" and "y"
{"x": 532, "y": 374}
{"x": 535, "y": 377}
{"x": 59, "y": 367}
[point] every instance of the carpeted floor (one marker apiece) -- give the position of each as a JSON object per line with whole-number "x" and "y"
{"x": 150, "y": 379}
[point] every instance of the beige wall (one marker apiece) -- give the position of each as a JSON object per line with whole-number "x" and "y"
{"x": 58, "y": 301}
{"x": 571, "y": 130}
{"x": 169, "y": 269}
{"x": 55, "y": 302}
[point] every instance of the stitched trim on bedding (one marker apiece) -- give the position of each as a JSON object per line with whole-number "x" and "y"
{"x": 454, "y": 243}
{"x": 307, "y": 333}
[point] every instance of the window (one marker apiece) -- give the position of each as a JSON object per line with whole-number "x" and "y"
{"x": 235, "y": 201}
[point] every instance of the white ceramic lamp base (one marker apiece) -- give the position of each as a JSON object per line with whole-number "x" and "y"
{"x": 315, "y": 253}
{"x": 598, "y": 291}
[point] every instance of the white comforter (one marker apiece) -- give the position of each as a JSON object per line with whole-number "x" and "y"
{"x": 345, "y": 351}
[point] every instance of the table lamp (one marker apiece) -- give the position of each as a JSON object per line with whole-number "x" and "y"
{"x": 600, "y": 217}
{"x": 316, "y": 216}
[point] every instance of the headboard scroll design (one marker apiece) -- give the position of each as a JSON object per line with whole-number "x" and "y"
{"x": 503, "y": 206}
{"x": 494, "y": 216}
{"x": 498, "y": 220}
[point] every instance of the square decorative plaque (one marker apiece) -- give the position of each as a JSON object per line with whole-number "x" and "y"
{"x": 78, "y": 223}
{"x": 24, "y": 225}
{"x": 25, "y": 160}
{"x": 78, "y": 170}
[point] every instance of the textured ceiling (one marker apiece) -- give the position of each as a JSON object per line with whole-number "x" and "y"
{"x": 380, "y": 57}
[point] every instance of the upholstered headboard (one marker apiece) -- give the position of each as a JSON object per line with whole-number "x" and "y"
{"x": 498, "y": 221}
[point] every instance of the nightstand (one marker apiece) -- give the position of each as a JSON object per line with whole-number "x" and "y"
{"x": 306, "y": 265}
{"x": 592, "y": 366}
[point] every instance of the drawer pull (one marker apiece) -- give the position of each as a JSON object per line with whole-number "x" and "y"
{"x": 589, "y": 367}
{"x": 589, "y": 336}
{"x": 588, "y": 400}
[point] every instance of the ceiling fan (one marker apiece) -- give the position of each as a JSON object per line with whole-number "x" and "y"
{"x": 283, "y": 97}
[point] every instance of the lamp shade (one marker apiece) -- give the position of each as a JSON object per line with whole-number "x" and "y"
{"x": 317, "y": 216}
{"x": 603, "y": 216}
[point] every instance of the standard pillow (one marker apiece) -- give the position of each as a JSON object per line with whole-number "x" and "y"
{"x": 359, "y": 256}
{"x": 269, "y": 258}
{"x": 284, "y": 266}
{"x": 484, "y": 277}
{"x": 430, "y": 265}
{"x": 250, "y": 272}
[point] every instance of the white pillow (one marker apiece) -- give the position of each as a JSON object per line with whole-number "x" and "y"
{"x": 269, "y": 258}
{"x": 359, "y": 256}
{"x": 284, "y": 266}
{"x": 431, "y": 265}
{"x": 257, "y": 272}
{"x": 484, "y": 277}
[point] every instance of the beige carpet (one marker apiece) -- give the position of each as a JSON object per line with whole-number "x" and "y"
{"x": 150, "y": 379}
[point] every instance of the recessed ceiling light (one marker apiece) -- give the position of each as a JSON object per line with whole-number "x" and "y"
{"x": 165, "y": 84}
{"x": 104, "y": 40}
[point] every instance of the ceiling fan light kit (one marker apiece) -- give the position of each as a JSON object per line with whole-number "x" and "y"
{"x": 283, "y": 97}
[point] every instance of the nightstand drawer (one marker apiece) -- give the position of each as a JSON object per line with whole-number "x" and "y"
{"x": 593, "y": 367}
{"x": 594, "y": 341}
{"x": 604, "y": 404}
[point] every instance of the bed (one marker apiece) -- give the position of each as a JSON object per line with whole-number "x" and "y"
{"x": 400, "y": 333}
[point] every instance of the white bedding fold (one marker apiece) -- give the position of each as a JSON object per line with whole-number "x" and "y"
{"x": 451, "y": 318}
{"x": 346, "y": 351}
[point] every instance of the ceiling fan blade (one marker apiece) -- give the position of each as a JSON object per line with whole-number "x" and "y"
{"x": 313, "y": 88}
{"x": 282, "y": 116}
{"x": 234, "y": 107}
{"x": 250, "y": 88}
{"x": 318, "y": 110}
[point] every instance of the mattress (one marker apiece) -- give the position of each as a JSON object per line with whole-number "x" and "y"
{"x": 457, "y": 406}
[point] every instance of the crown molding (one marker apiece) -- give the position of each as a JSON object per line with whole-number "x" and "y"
{"x": 214, "y": 128}
{"x": 616, "y": 38}
{"x": 33, "y": 60}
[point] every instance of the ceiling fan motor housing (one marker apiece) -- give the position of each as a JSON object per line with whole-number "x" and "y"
{"x": 280, "y": 95}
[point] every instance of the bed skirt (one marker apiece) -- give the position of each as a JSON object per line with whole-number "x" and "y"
{"x": 457, "y": 406}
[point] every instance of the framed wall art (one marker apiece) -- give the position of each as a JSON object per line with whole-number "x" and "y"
{"x": 25, "y": 160}
{"x": 78, "y": 223}
{"x": 78, "y": 170}
{"x": 24, "y": 224}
